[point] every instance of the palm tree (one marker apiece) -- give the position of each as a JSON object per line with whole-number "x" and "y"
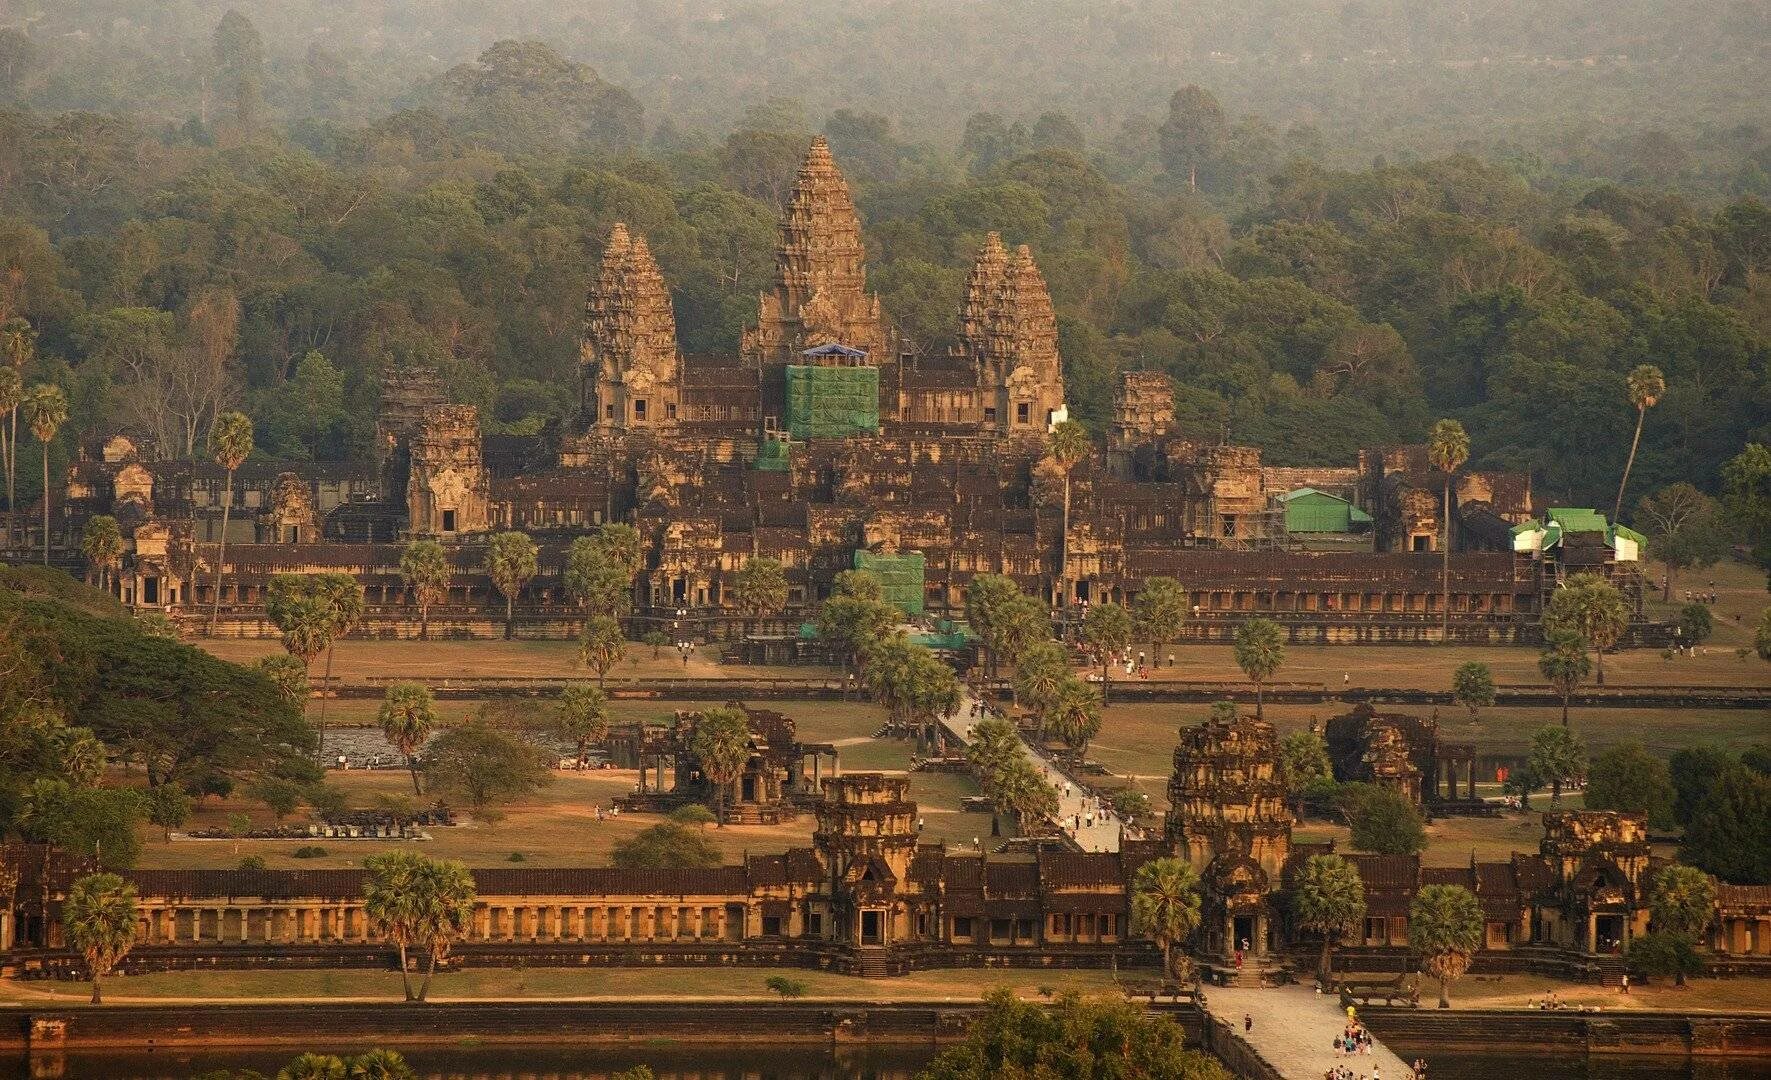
{"x": 721, "y": 745}
{"x": 390, "y": 903}
{"x": 1041, "y": 674}
{"x": 1108, "y": 627}
{"x": 379, "y": 1064}
{"x": 1448, "y": 447}
{"x": 314, "y": 1067}
{"x": 1445, "y": 927}
{"x": 12, "y": 391}
{"x": 296, "y": 607}
{"x": 46, "y": 410}
{"x": 1259, "y": 649}
{"x": 408, "y": 716}
{"x": 18, "y": 345}
{"x": 1565, "y": 664}
{"x": 424, "y": 566}
{"x": 1165, "y": 905}
{"x": 511, "y": 560}
{"x": 1074, "y": 715}
{"x": 1067, "y": 444}
{"x": 1683, "y": 900}
{"x": 1646, "y": 386}
{"x": 1327, "y": 897}
{"x": 1592, "y": 608}
{"x": 99, "y": 919}
{"x": 759, "y": 588}
{"x": 1160, "y": 610}
{"x": 345, "y": 609}
{"x": 102, "y": 544}
{"x": 583, "y": 716}
{"x": 444, "y": 912}
{"x": 230, "y": 444}
{"x": 601, "y": 645}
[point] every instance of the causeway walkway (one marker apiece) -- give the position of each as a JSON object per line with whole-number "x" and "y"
{"x": 1094, "y": 828}
{"x": 1294, "y": 1031}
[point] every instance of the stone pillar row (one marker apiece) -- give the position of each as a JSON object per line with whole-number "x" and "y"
{"x": 341, "y": 922}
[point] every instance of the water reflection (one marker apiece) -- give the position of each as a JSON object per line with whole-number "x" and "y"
{"x": 1487, "y": 1066}
{"x": 671, "y": 1062}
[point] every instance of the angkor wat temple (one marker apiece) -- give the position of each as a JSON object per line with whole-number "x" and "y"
{"x": 826, "y": 434}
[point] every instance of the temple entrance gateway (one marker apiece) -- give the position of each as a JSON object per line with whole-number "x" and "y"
{"x": 870, "y": 928}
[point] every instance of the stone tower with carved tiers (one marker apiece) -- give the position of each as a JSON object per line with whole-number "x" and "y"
{"x": 630, "y": 370}
{"x": 820, "y": 295}
{"x": 1020, "y": 360}
{"x": 866, "y": 838}
{"x": 448, "y": 490}
{"x": 1228, "y": 818}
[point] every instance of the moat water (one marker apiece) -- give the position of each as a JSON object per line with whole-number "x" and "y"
{"x": 783, "y": 1063}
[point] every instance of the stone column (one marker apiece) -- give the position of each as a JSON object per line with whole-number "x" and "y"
{"x": 1592, "y": 942}
{"x": 1472, "y": 776}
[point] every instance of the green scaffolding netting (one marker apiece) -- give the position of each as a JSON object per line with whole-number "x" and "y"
{"x": 774, "y": 455}
{"x": 832, "y": 402}
{"x": 900, "y": 576}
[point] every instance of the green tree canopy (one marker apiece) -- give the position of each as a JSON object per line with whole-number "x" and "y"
{"x": 484, "y": 768}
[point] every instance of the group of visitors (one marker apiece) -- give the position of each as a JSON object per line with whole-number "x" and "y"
{"x": 1353, "y": 1040}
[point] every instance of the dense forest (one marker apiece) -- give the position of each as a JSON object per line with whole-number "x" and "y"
{"x": 205, "y": 209}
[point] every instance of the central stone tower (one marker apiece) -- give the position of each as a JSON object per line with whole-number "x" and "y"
{"x": 820, "y": 295}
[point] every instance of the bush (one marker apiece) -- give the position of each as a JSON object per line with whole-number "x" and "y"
{"x": 692, "y": 814}
{"x": 516, "y": 856}
{"x": 666, "y": 847}
{"x": 1383, "y": 821}
{"x": 252, "y": 862}
{"x": 310, "y": 851}
{"x": 1662, "y": 954}
{"x": 787, "y": 988}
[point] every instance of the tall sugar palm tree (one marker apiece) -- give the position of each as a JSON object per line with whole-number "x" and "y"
{"x": 230, "y": 444}
{"x": 18, "y": 345}
{"x": 101, "y": 541}
{"x": 424, "y": 566}
{"x": 1646, "y": 386}
{"x": 1259, "y": 650}
{"x": 391, "y": 903}
{"x": 1448, "y": 447}
{"x": 46, "y": 410}
{"x": 408, "y": 716}
{"x": 1165, "y": 905}
{"x": 12, "y": 391}
{"x": 99, "y": 918}
{"x": 1327, "y": 897}
{"x": 1067, "y": 444}
{"x": 1445, "y": 927}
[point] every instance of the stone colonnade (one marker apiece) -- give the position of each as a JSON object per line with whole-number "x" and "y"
{"x": 163, "y": 922}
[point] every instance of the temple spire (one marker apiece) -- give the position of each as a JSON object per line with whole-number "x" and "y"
{"x": 981, "y": 285}
{"x": 1021, "y": 349}
{"x": 630, "y": 371}
{"x": 820, "y": 293}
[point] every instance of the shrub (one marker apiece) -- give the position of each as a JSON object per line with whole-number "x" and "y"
{"x": 787, "y": 988}
{"x": 692, "y": 814}
{"x": 516, "y": 856}
{"x": 310, "y": 851}
{"x": 252, "y": 862}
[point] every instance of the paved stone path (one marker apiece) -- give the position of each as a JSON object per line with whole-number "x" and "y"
{"x": 1074, "y": 809}
{"x": 1294, "y": 1029}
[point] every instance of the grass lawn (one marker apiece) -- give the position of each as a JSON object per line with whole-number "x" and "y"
{"x": 556, "y": 827}
{"x": 1517, "y": 991}
{"x": 1740, "y": 590}
{"x": 559, "y": 984}
{"x": 355, "y": 658}
{"x": 1139, "y": 738}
